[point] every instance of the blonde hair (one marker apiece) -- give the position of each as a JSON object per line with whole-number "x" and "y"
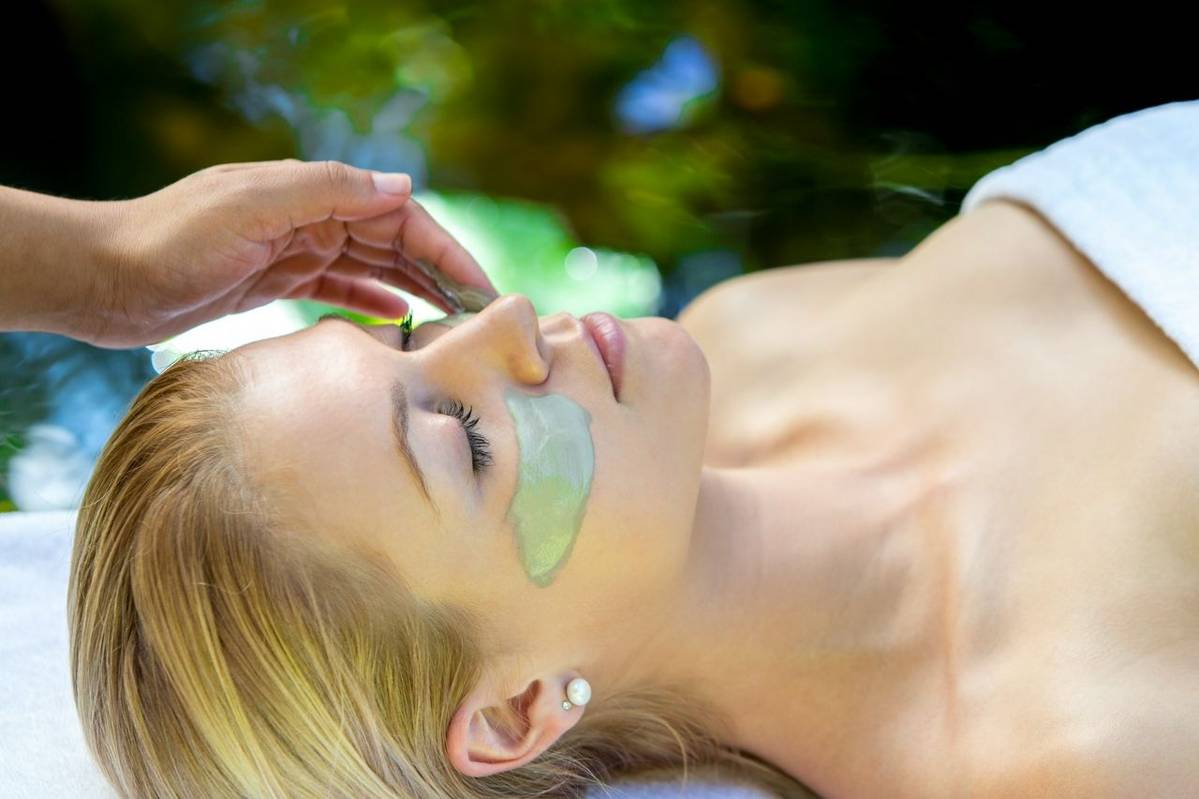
{"x": 216, "y": 652}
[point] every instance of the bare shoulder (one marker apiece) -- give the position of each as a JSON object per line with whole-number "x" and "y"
{"x": 795, "y": 289}
{"x": 1070, "y": 776}
{"x": 1117, "y": 742}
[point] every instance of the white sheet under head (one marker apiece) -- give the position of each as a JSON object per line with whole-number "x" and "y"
{"x": 43, "y": 754}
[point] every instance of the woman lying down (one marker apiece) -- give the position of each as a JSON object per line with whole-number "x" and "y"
{"x": 914, "y": 527}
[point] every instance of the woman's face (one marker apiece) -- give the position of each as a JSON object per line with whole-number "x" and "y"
{"x": 323, "y": 412}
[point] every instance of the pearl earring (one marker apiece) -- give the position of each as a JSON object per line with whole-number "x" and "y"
{"x": 578, "y": 692}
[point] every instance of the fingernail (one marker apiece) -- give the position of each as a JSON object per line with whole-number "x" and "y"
{"x": 392, "y": 182}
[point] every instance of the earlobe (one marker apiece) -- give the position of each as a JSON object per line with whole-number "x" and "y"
{"x": 479, "y": 743}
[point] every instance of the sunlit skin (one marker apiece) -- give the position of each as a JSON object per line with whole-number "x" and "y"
{"x": 900, "y": 521}
{"x": 1027, "y": 622}
{"x": 319, "y": 413}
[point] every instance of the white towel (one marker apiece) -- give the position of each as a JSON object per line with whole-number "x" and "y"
{"x": 42, "y": 753}
{"x": 1125, "y": 193}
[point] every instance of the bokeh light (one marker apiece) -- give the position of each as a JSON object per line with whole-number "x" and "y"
{"x": 620, "y": 156}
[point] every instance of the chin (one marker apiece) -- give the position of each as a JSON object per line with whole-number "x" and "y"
{"x": 672, "y": 355}
{"x": 677, "y": 381}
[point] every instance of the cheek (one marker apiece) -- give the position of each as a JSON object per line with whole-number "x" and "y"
{"x": 638, "y": 527}
{"x": 555, "y": 472}
{"x": 637, "y": 517}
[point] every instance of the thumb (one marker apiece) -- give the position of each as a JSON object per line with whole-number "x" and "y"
{"x": 295, "y": 193}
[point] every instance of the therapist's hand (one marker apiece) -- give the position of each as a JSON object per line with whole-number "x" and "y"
{"x": 233, "y": 237}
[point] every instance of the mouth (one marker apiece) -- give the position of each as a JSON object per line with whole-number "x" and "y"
{"x": 608, "y": 337}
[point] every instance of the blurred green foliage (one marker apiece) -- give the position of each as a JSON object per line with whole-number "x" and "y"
{"x": 834, "y": 131}
{"x": 516, "y": 99}
{"x": 590, "y": 153}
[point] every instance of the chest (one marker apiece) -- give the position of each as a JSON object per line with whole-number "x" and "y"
{"x": 1070, "y": 617}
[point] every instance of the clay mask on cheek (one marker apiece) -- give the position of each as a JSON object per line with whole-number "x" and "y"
{"x": 557, "y": 458}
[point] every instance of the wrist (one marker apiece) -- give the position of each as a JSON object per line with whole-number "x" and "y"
{"x": 94, "y": 272}
{"x": 55, "y": 254}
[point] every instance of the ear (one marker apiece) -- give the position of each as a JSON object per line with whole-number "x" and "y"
{"x": 478, "y": 745}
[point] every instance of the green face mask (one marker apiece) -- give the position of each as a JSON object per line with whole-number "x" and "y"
{"x": 557, "y": 458}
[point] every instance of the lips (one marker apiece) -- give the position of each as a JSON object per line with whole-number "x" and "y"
{"x": 610, "y": 340}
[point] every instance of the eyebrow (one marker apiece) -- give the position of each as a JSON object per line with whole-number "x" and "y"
{"x": 398, "y": 396}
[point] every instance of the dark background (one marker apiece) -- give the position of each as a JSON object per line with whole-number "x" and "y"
{"x": 714, "y": 138}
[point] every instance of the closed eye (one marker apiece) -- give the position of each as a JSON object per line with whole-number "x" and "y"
{"x": 480, "y": 447}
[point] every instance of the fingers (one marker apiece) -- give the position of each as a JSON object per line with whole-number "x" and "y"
{"x": 305, "y": 206}
{"x": 328, "y": 237}
{"x": 351, "y": 267}
{"x": 413, "y": 233}
{"x": 308, "y": 254}
{"x": 390, "y": 262}
{"x": 281, "y": 196}
{"x": 362, "y": 265}
{"x": 362, "y": 296}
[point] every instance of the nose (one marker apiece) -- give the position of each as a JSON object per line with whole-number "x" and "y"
{"x": 504, "y": 337}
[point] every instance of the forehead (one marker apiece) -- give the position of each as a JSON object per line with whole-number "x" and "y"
{"x": 318, "y": 423}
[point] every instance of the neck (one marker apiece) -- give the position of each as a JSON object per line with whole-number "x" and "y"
{"x": 806, "y": 603}
{"x": 825, "y": 592}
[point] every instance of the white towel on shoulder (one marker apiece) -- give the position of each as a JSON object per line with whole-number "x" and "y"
{"x": 1125, "y": 193}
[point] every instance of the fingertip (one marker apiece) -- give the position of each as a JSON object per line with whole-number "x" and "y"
{"x": 392, "y": 182}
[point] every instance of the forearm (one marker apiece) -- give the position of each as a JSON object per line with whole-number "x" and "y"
{"x": 51, "y": 253}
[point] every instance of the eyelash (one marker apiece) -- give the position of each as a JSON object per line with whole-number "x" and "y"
{"x": 480, "y": 448}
